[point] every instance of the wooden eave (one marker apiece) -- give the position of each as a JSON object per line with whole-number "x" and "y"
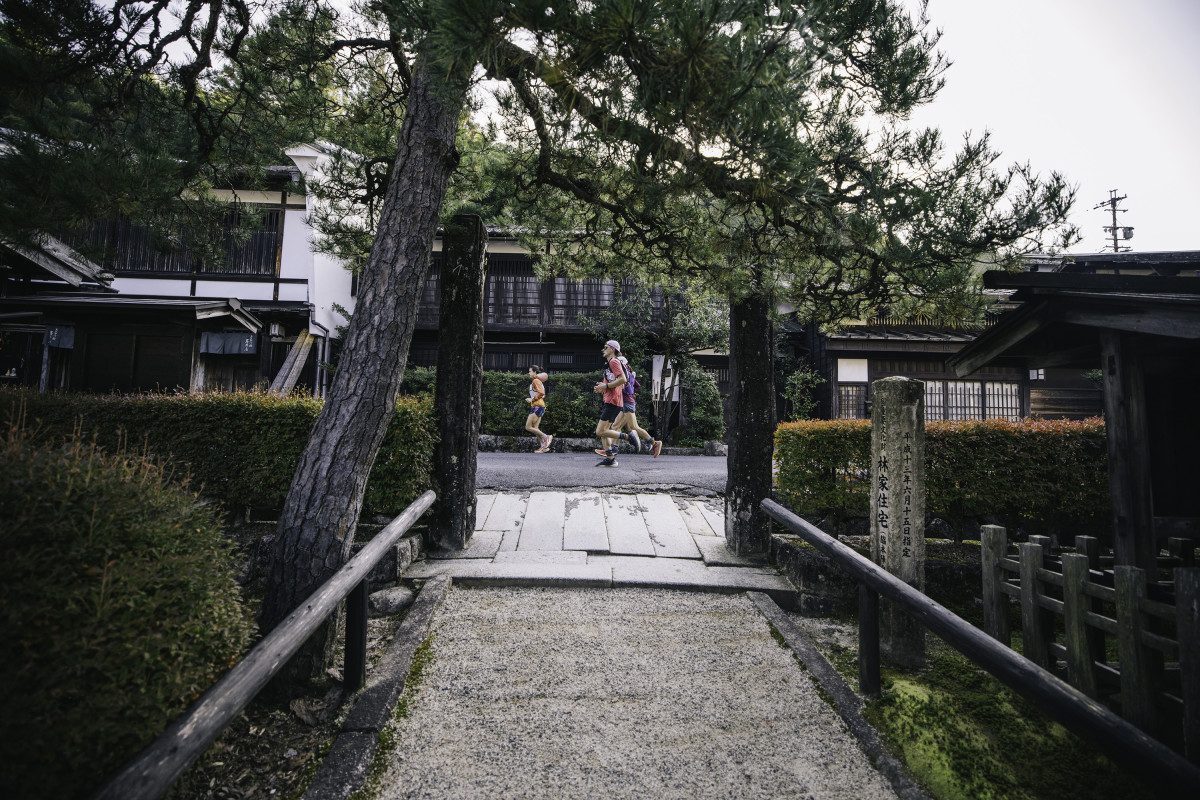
{"x": 1059, "y": 322}
{"x": 124, "y": 304}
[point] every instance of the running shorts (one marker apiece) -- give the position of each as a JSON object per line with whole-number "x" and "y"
{"x": 610, "y": 412}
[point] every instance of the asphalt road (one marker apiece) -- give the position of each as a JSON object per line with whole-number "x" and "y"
{"x": 514, "y": 471}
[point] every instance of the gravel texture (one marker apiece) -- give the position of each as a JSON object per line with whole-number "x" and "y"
{"x": 552, "y": 693}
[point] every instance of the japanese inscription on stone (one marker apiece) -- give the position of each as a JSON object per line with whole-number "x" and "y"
{"x": 898, "y": 502}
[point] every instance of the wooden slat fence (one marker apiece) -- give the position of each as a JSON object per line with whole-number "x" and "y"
{"x": 1113, "y": 632}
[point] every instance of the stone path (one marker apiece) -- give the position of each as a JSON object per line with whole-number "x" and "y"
{"x": 599, "y": 540}
{"x": 618, "y": 694}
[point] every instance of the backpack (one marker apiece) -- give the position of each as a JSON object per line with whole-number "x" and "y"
{"x": 631, "y": 385}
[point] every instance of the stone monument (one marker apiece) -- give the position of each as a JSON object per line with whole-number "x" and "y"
{"x": 898, "y": 507}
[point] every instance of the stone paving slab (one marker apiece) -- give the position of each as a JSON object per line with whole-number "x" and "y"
{"x": 627, "y": 534}
{"x": 716, "y": 553}
{"x": 685, "y": 573}
{"x": 584, "y": 526}
{"x": 695, "y": 521}
{"x": 541, "y": 557}
{"x": 507, "y": 513}
{"x": 667, "y": 529}
{"x": 508, "y": 543}
{"x": 483, "y": 506}
{"x": 715, "y": 519}
{"x": 483, "y": 544}
{"x": 474, "y": 572}
{"x": 543, "y": 525}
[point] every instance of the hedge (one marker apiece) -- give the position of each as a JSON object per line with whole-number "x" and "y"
{"x": 119, "y": 608}
{"x": 242, "y": 448}
{"x": 1047, "y": 475}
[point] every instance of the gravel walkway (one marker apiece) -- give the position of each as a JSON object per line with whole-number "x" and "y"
{"x": 635, "y": 693}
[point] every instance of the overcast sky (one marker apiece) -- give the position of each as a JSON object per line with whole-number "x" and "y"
{"x": 1106, "y": 92}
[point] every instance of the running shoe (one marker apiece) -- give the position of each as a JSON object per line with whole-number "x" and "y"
{"x": 607, "y": 462}
{"x": 635, "y": 441}
{"x": 545, "y": 444}
{"x": 600, "y": 452}
{"x": 657, "y": 448}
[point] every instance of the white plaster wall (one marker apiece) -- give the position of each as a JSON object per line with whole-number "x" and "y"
{"x": 167, "y": 288}
{"x": 328, "y": 280}
{"x": 242, "y": 290}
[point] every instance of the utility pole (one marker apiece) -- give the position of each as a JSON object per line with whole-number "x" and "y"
{"x": 1126, "y": 232}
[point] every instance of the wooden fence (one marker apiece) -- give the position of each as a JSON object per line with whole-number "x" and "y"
{"x": 1120, "y": 636}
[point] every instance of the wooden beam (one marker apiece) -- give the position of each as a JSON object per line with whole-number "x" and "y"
{"x": 1179, "y": 322}
{"x": 1011, "y": 331}
{"x": 1149, "y": 284}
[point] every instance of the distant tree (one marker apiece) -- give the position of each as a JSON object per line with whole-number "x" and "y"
{"x": 798, "y": 392}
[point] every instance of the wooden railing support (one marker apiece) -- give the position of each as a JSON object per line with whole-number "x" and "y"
{"x": 868, "y": 641}
{"x": 1141, "y": 667}
{"x": 1035, "y": 630}
{"x": 1187, "y": 620}
{"x": 994, "y": 541}
{"x": 1081, "y": 658}
{"x": 354, "y": 664}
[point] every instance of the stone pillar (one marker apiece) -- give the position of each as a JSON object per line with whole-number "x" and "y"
{"x": 458, "y": 391}
{"x": 898, "y": 507}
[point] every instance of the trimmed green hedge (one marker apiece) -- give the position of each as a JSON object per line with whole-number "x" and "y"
{"x": 241, "y": 449}
{"x": 119, "y": 608}
{"x": 1036, "y": 474}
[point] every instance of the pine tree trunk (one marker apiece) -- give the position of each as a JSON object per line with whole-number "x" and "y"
{"x": 459, "y": 389}
{"x": 316, "y": 528}
{"x": 752, "y": 443}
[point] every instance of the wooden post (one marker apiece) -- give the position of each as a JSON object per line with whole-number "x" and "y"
{"x": 1183, "y": 549}
{"x": 1187, "y": 627}
{"x": 1089, "y": 547}
{"x": 994, "y": 539}
{"x": 1034, "y": 629}
{"x": 898, "y": 507}
{"x": 1140, "y": 675}
{"x": 752, "y": 414}
{"x": 1128, "y": 452}
{"x": 868, "y": 641}
{"x": 1081, "y": 670}
{"x": 458, "y": 397}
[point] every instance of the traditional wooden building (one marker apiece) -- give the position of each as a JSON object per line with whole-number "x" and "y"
{"x": 852, "y": 358}
{"x": 1142, "y": 332}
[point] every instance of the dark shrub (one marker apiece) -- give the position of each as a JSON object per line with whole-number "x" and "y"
{"x": 118, "y": 605}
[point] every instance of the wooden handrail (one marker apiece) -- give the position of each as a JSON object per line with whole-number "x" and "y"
{"x": 149, "y": 774}
{"x": 1158, "y": 764}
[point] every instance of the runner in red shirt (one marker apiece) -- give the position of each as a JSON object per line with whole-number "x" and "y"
{"x": 610, "y": 388}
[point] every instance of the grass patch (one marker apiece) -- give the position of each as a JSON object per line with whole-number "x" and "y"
{"x": 961, "y": 733}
